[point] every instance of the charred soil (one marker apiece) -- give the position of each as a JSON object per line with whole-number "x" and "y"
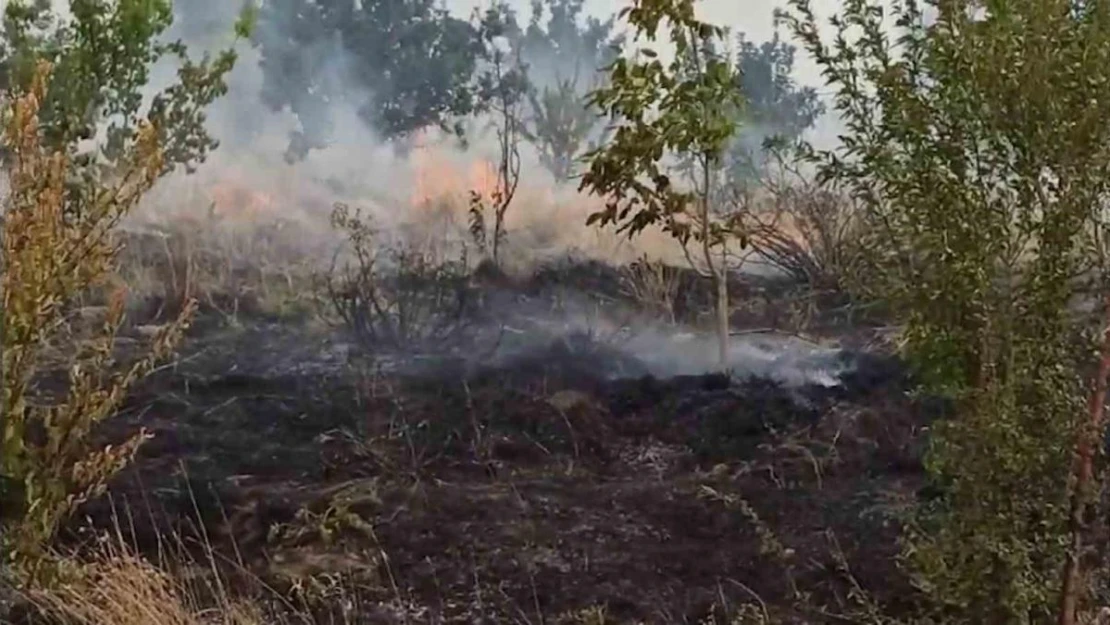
{"x": 524, "y": 489}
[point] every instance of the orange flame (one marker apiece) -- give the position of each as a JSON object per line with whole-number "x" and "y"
{"x": 233, "y": 199}
{"x": 436, "y": 176}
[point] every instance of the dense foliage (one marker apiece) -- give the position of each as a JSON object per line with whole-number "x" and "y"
{"x": 978, "y": 147}
{"x": 403, "y": 66}
{"x": 103, "y": 54}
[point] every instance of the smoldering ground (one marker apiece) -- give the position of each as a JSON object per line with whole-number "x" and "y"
{"x": 556, "y": 473}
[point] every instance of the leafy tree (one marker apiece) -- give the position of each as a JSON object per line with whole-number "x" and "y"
{"x": 560, "y": 126}
{"x": 776, "y": 107}
{"x": 978, "y": 147}
{"x": 77, "y": 158}
{"x": 103, "y": 53}
{"x": 685, "y": 109}
{"x": 410, "y": 62}
{"x": 567, "y": 57}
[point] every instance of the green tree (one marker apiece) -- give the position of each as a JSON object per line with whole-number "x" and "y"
{"x": 665, "y": 113}
{"x": 560, "y": 125}
{"x": 409, "y": 65}
{"x": 978, "y": 147}
{"x": 102, "y": 52}
{"x": 776, "y": 107}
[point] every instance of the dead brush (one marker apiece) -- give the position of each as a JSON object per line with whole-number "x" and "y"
{"x": 231, "y": 269}
{"x": 121, "y": 588}
{"x": 654, "y": 285}
{"x": 807, "y": 232}
{"x": 397, "y": 298}
{"x": 110, "y": 583}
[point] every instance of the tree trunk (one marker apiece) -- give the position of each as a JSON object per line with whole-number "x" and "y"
{"x": 718, "y": 273}
{"x": 1089, "y": 437}
{"x": 722, "y": 316}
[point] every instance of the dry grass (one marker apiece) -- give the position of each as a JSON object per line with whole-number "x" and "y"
{"x": 236, "y": 250}
{"x": 190, "y": 583}
{"x": 124, "y": 589}
{"x": 654, "y": 285}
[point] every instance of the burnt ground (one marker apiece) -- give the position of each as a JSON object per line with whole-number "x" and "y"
{"x": 525, "y": 490}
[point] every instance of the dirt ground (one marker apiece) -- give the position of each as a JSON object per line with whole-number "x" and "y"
{"x": 531, "y": 489}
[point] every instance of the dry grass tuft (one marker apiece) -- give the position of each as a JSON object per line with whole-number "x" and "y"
{"x": 126, "y": 590}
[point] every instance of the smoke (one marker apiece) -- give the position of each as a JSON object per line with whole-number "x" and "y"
{"x": 360, "y": 168}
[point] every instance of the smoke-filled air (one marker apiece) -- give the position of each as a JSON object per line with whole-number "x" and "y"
{"x": 554, "y": 311}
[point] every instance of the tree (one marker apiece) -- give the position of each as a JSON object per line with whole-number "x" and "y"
{"x": 567, "y": 57}
{"x": 560, "y": 126}
{"x": 103, "y": 54}
{"x": 684, "y": 109}
{"x": 77, "y": 159}
{"x": 503, "y": 85}
{"x": 410, "y": 62}
{"x": 776, "y": 108}
{"x": 978, "y": 147}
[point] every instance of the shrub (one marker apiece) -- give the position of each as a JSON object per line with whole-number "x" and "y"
{"x": 986, "y": 184}
{"x": 397, "y": 298}
{"x": 808, "y": 232}
{"x": 53, "y": 254}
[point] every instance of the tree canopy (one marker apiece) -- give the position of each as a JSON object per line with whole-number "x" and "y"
{"x": 410, "y": 63}
{"x": 103, "y": 55}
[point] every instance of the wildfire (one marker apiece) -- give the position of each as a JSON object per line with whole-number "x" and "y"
{"x": 437, "y": 176}
{"x": 232, "y": 199}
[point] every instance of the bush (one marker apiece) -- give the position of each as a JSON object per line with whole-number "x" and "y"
{"x": 397, "y": 298}
{"x": 55, "y": 252}
{"x": 986, "y": 185}
{"x": 809, "y": 233}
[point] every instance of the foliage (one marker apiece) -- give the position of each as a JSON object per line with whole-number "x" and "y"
{"x": 103, "y": 54}
{"x": 567, "y": 58}
{"x": 977, "y": 147}
{"x": 660, "y": 111}
{"x": 684, "y": 110}
{"x": 776, "y": 108}
{"x": 54, "y": 253}
{"x": 411, "y": 63}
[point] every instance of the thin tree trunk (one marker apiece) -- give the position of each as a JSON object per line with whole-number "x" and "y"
{"x": 722, "y": 315}
{"x": 718, "y": 273}
{"x": 1089, "y": 437}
